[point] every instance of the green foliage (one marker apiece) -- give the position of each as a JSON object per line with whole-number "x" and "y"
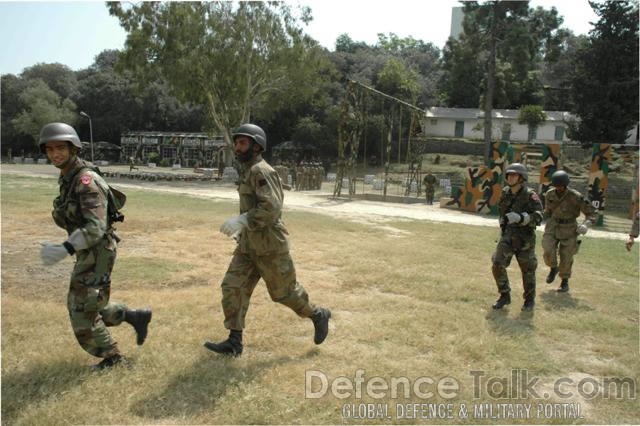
{"x": 509, "y": 37}
{"x": 396, "y": 79}
{"x": 605, "y": 80}
{"x": 41, "y": 106}
{"x": 531, "y": 115}
{"x": 60, "y": 78}
{"x": 235, "y": 54}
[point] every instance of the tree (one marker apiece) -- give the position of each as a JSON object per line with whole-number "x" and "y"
{"x": 226, "y": 56}
{"x": 507, "y": 40}
{"x": 531, "y": 115}
{"x": 60, "y": 78}
{"x": 41, "y": 106}
{"x": 605, "y": 80}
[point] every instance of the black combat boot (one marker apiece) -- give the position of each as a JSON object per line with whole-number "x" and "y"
{"x": 320, "y": 320}
{"x": 232, "y": 346}
{"x": 552, "y": 274}
{"x": 564, "y": 285}
{"x": 111, "y": 361}
{"x": 505, "y": 299}
{"x": 528, "y": 304}
{"x": 139, "y": 319}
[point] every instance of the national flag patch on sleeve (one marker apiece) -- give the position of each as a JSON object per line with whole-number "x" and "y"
{"x": 85, "y": 179}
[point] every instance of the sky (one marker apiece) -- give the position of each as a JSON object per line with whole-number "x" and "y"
{"x": 74, "y": 32}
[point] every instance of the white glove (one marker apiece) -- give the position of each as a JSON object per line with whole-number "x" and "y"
{"x": 525, "y": 218}
{"x": 234, "y": 225}
{"x": 513, "y": 217}
{"x": 52, "y": 253}
{"x": 583, "y": 227}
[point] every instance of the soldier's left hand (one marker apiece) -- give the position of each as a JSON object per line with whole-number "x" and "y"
{"x": 583, "y": 227}
{"x": 52, "y": 253}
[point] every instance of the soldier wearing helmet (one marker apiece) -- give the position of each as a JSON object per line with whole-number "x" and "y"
{"x": 520, "y": 212}
{"x": 81, "y": 210}
{"x": 563, "y": 206}
{"x": 263, "y": 249}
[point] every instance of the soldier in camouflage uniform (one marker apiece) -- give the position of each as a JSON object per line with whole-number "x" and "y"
{"x": 562, "y": 207}
{"x": 82, "y": 210}
{"x": 429, "y": 182}
{"x": 520, "y": 212}
{"x": 263, "y": 248}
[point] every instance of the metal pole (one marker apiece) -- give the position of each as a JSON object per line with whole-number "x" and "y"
{"x": 91, "y": 137}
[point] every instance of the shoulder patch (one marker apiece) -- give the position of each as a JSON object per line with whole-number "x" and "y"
{"x": 85, "y": 179}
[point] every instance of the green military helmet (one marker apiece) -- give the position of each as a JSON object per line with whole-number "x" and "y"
{"x": 518, "y": 168}
{"x": 252, "y": 131}
{"x": 58, "y": 132}
{"x": 560, "y": 178}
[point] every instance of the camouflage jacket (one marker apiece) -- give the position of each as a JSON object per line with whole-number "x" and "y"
{"x": 261, "y": 197}
{"x": 565, "y": 209}
{"x": 429, "y": 180}
{"x": 82, "y": 203}
{"x": 524, "y": 201}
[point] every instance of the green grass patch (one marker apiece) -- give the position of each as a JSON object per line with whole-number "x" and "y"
{"x": 410, "y": 299}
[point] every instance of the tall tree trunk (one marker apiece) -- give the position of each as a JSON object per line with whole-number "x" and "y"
{"x": 488, "y": 94}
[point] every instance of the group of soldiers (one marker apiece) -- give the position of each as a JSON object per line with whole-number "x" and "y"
{"x": 86, "y": 209}
{"x": 521, "y": 211}
{"x": 305, "y": 176}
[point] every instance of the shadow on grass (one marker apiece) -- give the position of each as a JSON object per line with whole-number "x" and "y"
{"x": 500, "y": 322}
{"x": 23, "y": 389}
{"x": 554, "y": 301}
{"x": 209, "y": 379}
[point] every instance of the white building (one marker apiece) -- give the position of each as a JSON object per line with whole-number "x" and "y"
{"x": 468, "y": 123}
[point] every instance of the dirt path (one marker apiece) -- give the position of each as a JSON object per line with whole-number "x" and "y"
{"x": 314, "y": 201}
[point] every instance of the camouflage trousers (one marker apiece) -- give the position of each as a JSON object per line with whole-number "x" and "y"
{"x": 244, "y": 272}
{"x": 90, "y": 310}
{"x": 526, "y": 257}
{"x": 429, "y": 192}
{"x": 566, "y": 248}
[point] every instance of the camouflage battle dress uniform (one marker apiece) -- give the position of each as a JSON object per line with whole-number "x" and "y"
{"x": 429, "y": 182}
{"x": 263, "y": 249}
{"x": 518, "y": 240}
{"x": 82, "y": 204}
{"x": 560, "y": 231}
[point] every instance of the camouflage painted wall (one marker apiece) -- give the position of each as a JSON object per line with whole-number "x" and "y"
{"x": 483, "y": 185}
{"x": 548, "y": 165}
{"x": 599, "y": 177}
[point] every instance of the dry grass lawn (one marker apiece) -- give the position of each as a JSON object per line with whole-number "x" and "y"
{"x": 409, "y": 299}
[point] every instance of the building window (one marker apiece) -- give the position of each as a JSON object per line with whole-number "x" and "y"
{"x": 506, "y": 132}
{"x": 459, "y": 130}
{"x": 434, "y": 121}
{"x": 559, "y": 134}
{"x": 533, "y": 133}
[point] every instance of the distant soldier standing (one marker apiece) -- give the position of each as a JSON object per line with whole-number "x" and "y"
{"x": 82, "y": 209}
{"x": 429, "y": 183}
{"x": 562, "y": 208}
{"x": 520, "y": 211}
{"x": 263, "y": 248}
